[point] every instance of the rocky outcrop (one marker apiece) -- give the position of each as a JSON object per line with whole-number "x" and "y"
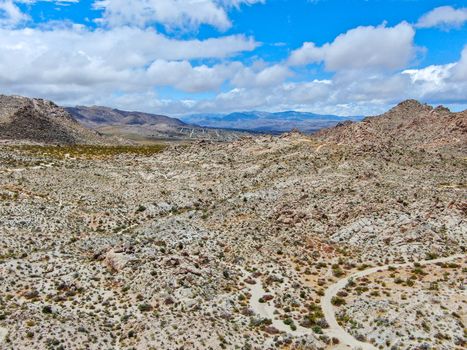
{"x": 409, "y": 124}
{"x": 37, "y": 120}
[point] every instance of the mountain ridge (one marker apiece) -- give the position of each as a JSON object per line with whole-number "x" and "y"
{"x": 101, "y": 115}
{"x": 141, "y": 126}
{"x": 408, "y": 124}
{"x": 275, "y": 122}
{"x": 25, "y": 119}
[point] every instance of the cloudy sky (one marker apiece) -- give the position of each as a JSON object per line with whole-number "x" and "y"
{"x": 177, "y": 57}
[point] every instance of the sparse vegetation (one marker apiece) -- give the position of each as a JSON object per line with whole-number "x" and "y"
{"x": 186, "y": 246}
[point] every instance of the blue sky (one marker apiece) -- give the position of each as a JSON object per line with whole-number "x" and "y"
{"x": 179, "y": 57}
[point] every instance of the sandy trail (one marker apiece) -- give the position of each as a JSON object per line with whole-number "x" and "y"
{"x": 36, "y": 167}
{"x": 335, "y": 330}
{"x": 266, "y": 310}
{"x": 3, "y": 334}
{"x": 346, "y": 340}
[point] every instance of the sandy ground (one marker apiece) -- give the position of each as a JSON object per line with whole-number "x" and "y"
{"x": 335, "y": 329}
{"x": 266, "y": 310}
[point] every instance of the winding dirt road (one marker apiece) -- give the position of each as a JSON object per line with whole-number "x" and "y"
{"x": 346, "y": 340}
{"x": 335, "y": 330}
{"x": 266, "y": 310}
{"x": 3, "y": 334}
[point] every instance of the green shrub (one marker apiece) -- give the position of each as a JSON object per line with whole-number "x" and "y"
{"x": 144, "y": 307}
{"x": 47, "y": 309}
{"x": 337, "y": 301}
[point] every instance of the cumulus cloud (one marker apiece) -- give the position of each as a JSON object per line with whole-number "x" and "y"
{"x": 10, "y": 14}
{"x": 170, "y": 13}
{"x": 71, "y": 62}
{"x": 435, "y": 75}
{"x": 123, "y": 47}
{"x": 346, "y": 93}
{"x": 79, "y": 61}
{"x": 442, "y": 74}
{"x": 76, "y": 59}
{"x": 443, "y": 17}
{"x": 238, "y": 3}
{"x": 78, "y": 66}
{"x": 442, "y": 83}
{"x": 183, "y": 76}
{"x": 459, "y": 70}
{"x": 368, "y": 47}
{"x": 257, "y": 76}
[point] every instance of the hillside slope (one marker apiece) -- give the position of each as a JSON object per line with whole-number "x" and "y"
{"x": 142, "y": 126}
{"x": 409, "y": 124}
{"x": 100, "y": 116}
{"x": 35, "y": 120}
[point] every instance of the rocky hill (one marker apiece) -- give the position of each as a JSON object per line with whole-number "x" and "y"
{"x": 35, "y": 120}
{"x": 409, "y": 124}
{"x": 145, "y": 126}
{"x": 96, "y": 116}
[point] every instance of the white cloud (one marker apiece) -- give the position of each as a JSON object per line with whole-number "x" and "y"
{"x": 238, "y": 3}
{"x": 171, "y": 13}
{"x": 441, "y": 83}
{"x": 74, "y": 62}
{"x": 120, "y": 48}
{"x": 10, "y": 14}
{"x": 436, "y": 75}
{"x": 183, "y": 76}
{"x": 439, "y": 75}
{"x": 261, "y": 76}
{"x": 366, "y": 48}
{"x": 79, "y": 60}
{"x": 459, "y": 71}
{"x": 90, "y": 77}
{"x": 443, "y": 17}
{"x": 308, "y": 53}
{"x": 347, "y": 93}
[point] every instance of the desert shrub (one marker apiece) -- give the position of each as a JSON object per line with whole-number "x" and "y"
{"x": 144, "y": 307}
{"x": 47, "y": 309}
{"x": 337, "y": 301}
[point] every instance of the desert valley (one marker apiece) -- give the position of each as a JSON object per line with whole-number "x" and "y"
{"x": 233, "y": 175}
{"x": 350, "y": 238}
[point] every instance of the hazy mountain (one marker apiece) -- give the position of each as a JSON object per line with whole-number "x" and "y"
{"x": 145, "y": 126}
{"x": 268, "y": 122}
{"x": 96, "y": 116}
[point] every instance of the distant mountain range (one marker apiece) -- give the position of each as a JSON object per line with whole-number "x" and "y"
{"x": 268, "y": 122}
{"x": 217, "y": 127}
{"x": 97, "y": 116}
{"x": 37, "y": 120}
{"x": 410, "y": 124}
{"x": 140, "y": 126}
{"x": 31, "y": 120}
